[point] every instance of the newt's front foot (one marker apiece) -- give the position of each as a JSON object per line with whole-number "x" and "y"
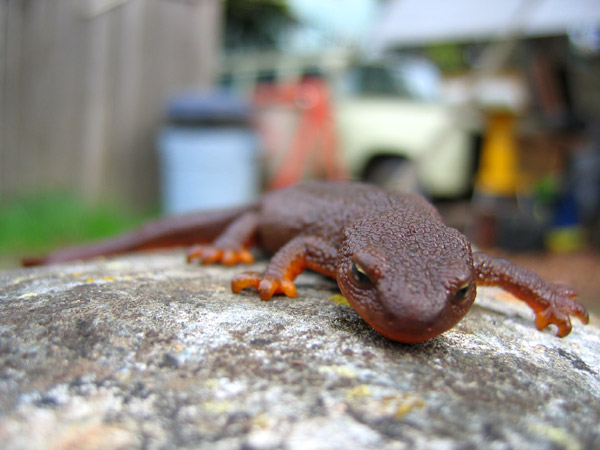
{"x": 266, "y": 285}
{"x": 562, "y": 304}
{"x": 208, "y": 254}
{"x": 552, "y": 303}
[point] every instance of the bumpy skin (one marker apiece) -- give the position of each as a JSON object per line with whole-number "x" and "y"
{"x": 406, "y": 273}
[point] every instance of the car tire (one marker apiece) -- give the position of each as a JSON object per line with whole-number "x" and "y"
{"x": 394, "y": 173}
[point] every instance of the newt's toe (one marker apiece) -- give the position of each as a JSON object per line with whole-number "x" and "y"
{"x": 266, "y": 285}
{"x": 550, "y": 315}
{"x": 208, "y": 254}
{"x": 562, "y": 305}
{"x": 244, "y": 280}
{"x": 581, "y": 313}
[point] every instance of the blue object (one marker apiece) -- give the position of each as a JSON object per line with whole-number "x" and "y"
{"x": 196, "y": 108}
{"x": 208, "y": 152}
{"x": 566, "y": 213}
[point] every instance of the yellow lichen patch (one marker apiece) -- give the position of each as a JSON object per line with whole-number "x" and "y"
{"x": 263, "y": 422}
{"x": 562, "y": 438}
{"x": 395, "y": 406}
{"x": 338, "y": 370}
{"x": 339, "y": 299}
{"x": 212, "y": 383}
{"x": 404, "y": 404}
{"x": 360, "y": 391}
{"x": 217, "y": 407}
{"x": 92, "y": 435}
{"x": 109, "y": 278}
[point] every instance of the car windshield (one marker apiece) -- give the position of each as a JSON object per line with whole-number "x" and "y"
{"x": 391, "y": 82}
{"x": 373, "y": 81}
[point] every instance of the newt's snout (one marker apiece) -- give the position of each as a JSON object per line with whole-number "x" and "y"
{"x": 401, "y": 314}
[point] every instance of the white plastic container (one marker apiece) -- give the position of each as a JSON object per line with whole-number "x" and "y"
{"x": 208, "y": 153}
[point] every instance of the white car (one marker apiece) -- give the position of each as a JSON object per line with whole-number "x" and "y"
{"x": 391, "y": 128}
{"x": 392, "y": 136}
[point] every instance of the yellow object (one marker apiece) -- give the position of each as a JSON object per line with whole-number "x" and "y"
{"x": 339, "y": 299}
{"x": 499, "y": 165}
{"x": 360, "y": 391}
{"x": 565, "y": 239}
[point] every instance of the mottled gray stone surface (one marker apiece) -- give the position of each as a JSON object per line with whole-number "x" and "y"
{"x": 148, "y": 352}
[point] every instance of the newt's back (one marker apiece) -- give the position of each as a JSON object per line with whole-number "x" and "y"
{"x": 324, "y": 209}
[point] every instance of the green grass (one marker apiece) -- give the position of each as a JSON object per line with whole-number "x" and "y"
{"x": 37, "y": 223}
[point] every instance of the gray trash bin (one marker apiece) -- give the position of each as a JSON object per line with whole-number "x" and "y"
{"x": 208, "y": 153}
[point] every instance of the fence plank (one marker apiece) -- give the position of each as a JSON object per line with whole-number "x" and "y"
{"x": 95, "y": 133}
{"x": 81, "y": 96}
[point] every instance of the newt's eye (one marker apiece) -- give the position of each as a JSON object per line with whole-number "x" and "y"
{"x": 462, "y": 292}
{"x": 359, "y": 276}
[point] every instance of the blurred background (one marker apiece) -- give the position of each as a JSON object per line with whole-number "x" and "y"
{"x": 115, "y": 111}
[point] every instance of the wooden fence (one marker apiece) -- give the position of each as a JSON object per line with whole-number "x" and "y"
{"x": 82, "y": 90}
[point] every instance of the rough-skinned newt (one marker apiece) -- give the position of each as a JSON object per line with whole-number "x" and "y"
{"x": 406, "y": 273}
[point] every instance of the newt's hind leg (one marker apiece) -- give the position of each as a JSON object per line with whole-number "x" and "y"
{"x": 552, "y": 303}
{"x": 302, "y": 252}
{"x": 231, "y": 247}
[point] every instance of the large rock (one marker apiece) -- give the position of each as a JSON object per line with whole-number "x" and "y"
{"x": 146, "y": 351}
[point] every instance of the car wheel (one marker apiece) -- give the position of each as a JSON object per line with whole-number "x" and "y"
{"x": 394, "y": 173}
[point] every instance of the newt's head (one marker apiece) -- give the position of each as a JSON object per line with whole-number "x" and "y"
{"x": 409, "y": 281}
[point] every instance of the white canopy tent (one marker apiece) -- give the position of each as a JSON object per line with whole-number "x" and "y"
{"x": 417, "y": 22}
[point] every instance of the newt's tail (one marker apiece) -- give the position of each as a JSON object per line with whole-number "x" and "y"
{"x": 174, "y": 231}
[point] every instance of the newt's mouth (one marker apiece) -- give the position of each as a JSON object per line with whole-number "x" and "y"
{"x": 407, "y": 332}
{"x": 409, "y": 324}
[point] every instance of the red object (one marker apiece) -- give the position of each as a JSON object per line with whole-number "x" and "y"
{"x": 314, "y": 138}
